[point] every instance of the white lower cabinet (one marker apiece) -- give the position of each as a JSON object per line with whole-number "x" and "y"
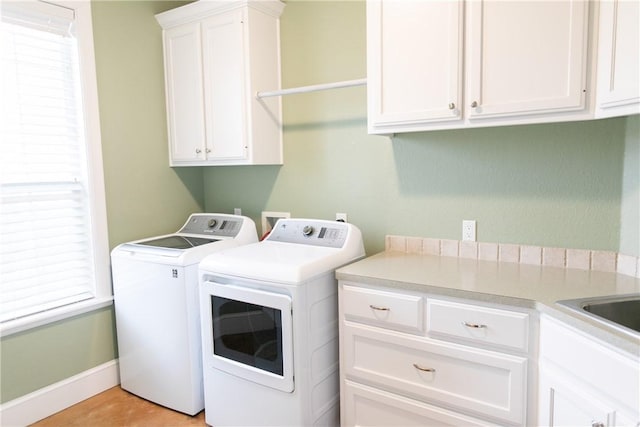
{"x": 563, "y": 404}
{"x": 403, "y": 362}
{"x": 584, "y": 382}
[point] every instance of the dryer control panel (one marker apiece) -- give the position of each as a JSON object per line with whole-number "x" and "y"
{"x": 216, "y": 224}
{"x": 310, "y": 232}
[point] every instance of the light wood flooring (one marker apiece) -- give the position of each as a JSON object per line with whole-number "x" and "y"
{"x": 118, "y": 408}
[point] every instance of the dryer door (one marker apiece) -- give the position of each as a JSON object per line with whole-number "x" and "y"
{"x": 248, "y": 333}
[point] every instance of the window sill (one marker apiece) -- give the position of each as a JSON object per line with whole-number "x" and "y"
{"x": 40, "y": 319}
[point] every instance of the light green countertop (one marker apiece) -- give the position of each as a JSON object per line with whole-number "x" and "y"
{"x": 521, "y": 285}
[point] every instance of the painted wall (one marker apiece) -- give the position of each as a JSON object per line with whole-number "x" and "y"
{"x": 51, "y": 353}
{"x": 554, "y": 185}
{"x": 630, "y": 215}
{"x": 144, "y": 196}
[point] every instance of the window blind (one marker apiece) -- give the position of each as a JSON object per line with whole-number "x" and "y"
{"x": 46, "y": 253}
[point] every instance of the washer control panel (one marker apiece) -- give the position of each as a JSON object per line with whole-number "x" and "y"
{"x": 216, "y": 224}
{"x": 310, "y": 232}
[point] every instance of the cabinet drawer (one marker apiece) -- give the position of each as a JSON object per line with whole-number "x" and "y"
{"x": 476, "y": 324}
{"x": 387, "y": 309}
{"x": 367, "y": 406}
{"x": 485, "y": 382}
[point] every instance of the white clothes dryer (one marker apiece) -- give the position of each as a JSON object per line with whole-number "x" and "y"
{"x": 155, "y": 284}
{"x": 269, "y": 315}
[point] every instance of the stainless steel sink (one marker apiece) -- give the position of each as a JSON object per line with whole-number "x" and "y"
{"x": 622, "y": 311}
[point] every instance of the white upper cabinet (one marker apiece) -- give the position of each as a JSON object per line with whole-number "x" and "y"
{"x": 619, "y": 58}
{"x": 414, "y": 69}
{"x": 184, "y": 89}
{"x": 525, "y": 57}
{"x": 217, "y": 56}
{"x": 523, "y": 62}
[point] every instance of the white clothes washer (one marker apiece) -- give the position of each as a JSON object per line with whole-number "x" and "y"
{"x": 155, "y": 284}
{"x": 269, "y": 315}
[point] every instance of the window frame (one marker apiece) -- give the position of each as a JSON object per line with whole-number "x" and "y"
{"x": 97, "y": 198}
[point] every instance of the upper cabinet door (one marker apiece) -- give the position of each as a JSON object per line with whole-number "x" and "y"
{"x": 183, "y": 68}
{"x": 224, "y": 82}
{"x": 619, "y": 58}
{"x": 526, "y": 57}
{"x": 414, "y": 63}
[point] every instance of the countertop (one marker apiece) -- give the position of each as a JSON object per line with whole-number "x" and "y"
{"x": 521, "y": 285}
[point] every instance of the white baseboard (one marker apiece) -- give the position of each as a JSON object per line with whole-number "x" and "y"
{"x": 47, "y": 401}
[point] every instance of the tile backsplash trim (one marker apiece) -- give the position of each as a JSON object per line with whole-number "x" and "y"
{"x": 582, "y": 259}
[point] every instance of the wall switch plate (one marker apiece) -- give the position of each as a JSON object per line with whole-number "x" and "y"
{"x": 269, "y": 219}
{"x": 342, "y": 217}
{"x": 469, "y": 230}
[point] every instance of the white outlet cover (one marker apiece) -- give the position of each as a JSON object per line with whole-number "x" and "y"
{"x": 469, "y": 230}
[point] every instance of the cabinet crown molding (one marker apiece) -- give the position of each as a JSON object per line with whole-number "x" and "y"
{"x": 203, "y": 8}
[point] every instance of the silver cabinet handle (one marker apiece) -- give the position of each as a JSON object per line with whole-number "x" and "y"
{"x": 208, "y": 150}
{"x": 597, "y": 424}
{"x": 375, "y": 307}
{"x": 198, "y": 151}
{"x": 474, "y": 104}
{"x": 452, "y": 106}
{"x": 423, "y": 369}
{"x": 474, "y": 325}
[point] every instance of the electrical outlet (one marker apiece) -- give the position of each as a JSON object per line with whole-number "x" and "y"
{"x": 342, "y": 217}
{"x": 269, "y": 219}
{"x": 237, "y": 211}
{"x": 469, "y": 230}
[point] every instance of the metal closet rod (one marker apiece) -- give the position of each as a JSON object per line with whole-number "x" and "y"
{"x": 312, "y": 88}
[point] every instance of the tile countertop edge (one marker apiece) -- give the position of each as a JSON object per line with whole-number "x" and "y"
{"x": 516, "y": 285}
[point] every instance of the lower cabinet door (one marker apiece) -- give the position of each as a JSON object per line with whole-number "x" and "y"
{"x": 562, "y": 403}
{"x": 367, "y": 406}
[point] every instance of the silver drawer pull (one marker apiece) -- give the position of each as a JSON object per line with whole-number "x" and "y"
{"x": 375, "y": 307}
{"x": 473, "y": 325}
{"x": 420, "y": 368}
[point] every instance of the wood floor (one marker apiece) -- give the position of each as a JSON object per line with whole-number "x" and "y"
{"x": 118, "y": 408}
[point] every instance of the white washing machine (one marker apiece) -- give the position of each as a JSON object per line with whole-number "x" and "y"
{"x": 155, "y": 284}
{"x": 269, "y": 315}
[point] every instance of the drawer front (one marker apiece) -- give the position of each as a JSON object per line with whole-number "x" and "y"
{"x": 485, "y": 382}
{"x": 478, "y": 325}
{"x": 386, "y": 309}
{"x": 367, "y": 406}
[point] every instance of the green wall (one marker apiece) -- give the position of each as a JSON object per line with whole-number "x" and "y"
{"x": 144, "y": 196}
{"x": 630, "y": 206}
{"x": 51, "y": 353}
{"x": 566, "y": 184}
{"x": 553, "y": 184}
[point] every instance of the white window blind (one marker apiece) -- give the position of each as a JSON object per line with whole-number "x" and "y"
{"x": 46, "y": 251}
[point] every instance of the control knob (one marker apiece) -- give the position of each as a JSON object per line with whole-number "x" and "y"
{"x": 212, "y": 223}
{"x": 307, "y": 230}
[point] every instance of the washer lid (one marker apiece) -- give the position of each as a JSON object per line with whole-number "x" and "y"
{"x": 176, "y": 242}
{"x": 201, "y": 235}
